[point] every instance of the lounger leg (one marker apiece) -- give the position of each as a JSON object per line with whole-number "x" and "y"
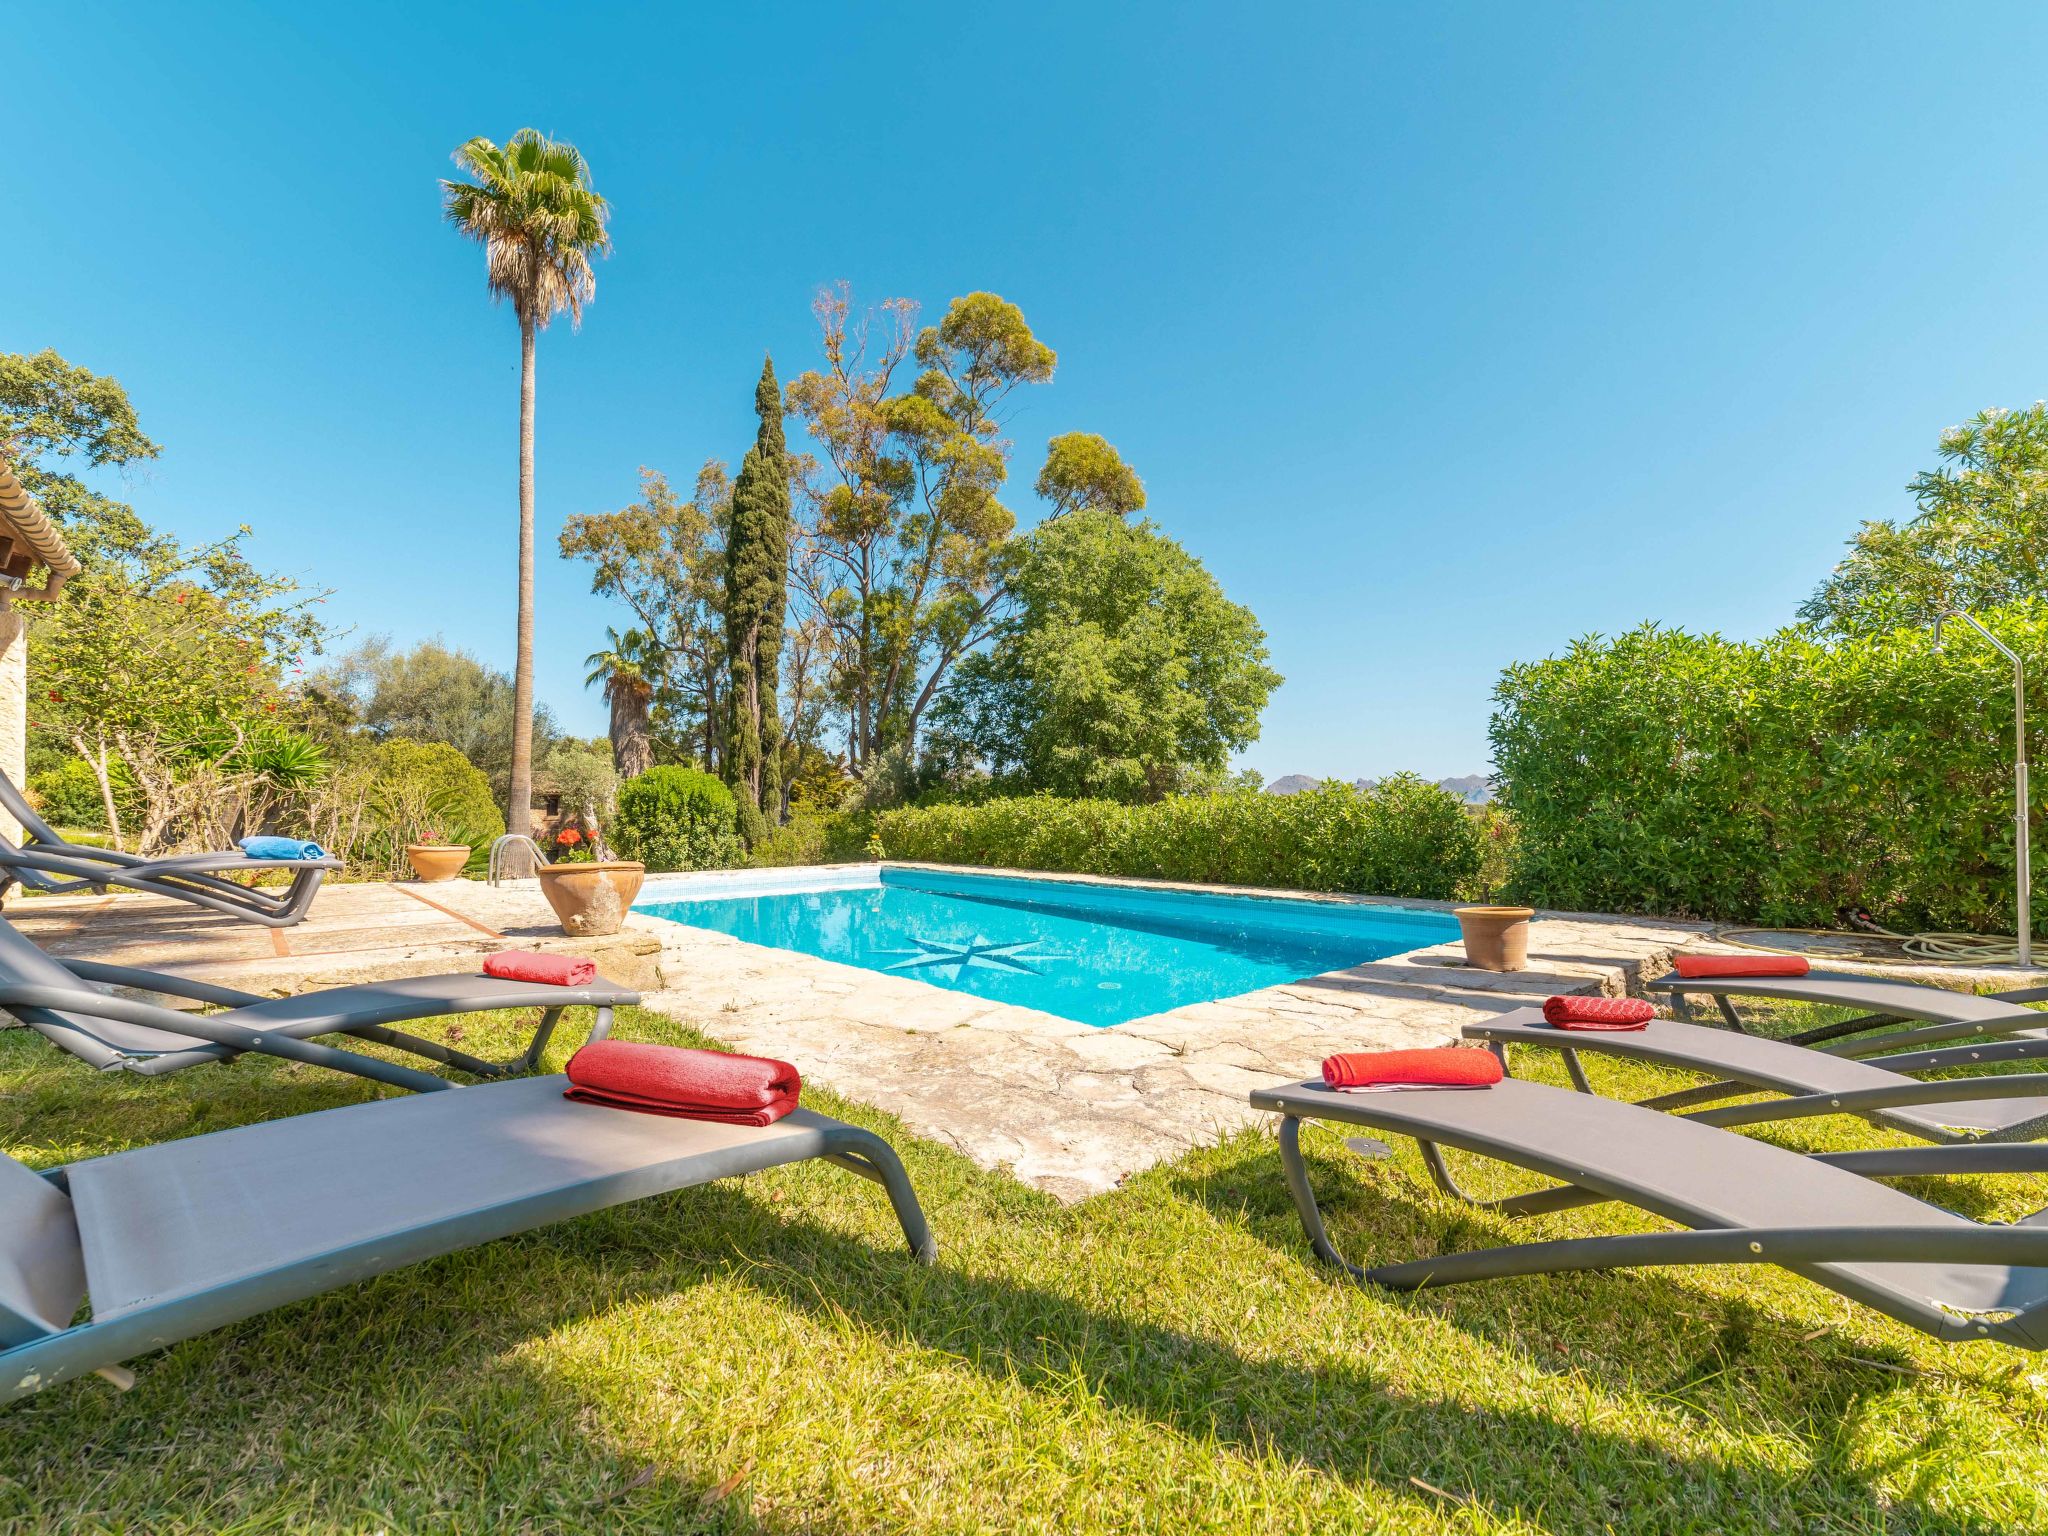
{"x": 1305, "y": 1199}
{"x": 1576, "y": 1071}
{"x": 864, "y": 1153}
{"x": 1728, "y": 1013}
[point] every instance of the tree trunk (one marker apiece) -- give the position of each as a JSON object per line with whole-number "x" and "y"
{"x": 519, "y": 804}
{"x": 100, "y": 771}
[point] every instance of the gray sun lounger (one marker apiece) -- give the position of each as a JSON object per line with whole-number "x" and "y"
{"x": 173, "y": 1240}
{"x": 1886, "y": 1001}
{"x": 49, "y": 865}
{"x": 1881, "y": 1089}
{"x": 1745, "y": 1201}
{"x": 57, "y": 999}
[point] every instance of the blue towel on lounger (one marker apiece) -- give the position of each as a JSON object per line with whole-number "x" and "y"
{"x": 282, "y": 848}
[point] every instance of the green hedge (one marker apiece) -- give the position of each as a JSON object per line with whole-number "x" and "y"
{"x": 1404, "y": 837}
{"x": 1777, "y": 782}
{"x": 677, "y": 818}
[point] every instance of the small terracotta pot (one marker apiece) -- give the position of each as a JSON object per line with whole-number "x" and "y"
{"x": 436, "y": 861}
{"x": 591, "y": 899}
{"x": 1496, "y": 938}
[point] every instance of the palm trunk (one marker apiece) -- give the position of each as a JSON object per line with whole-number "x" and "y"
{"x": 519, "y": 804}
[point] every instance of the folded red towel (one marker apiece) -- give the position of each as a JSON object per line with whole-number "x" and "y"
{"x": 1445, "y": 1065}
{"x": 549, "y": 970}
{"x": 1597, "y": 1012}
{"x": 1694, "y": 967}
{"x": 694, "y": 1085}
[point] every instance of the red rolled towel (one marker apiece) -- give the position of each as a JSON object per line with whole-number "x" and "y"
{"x": 549, "y": 970}
{"x": 692, "y": 1085}
{"x": 1597, "y": 1012}
{"x": 1444, "y": 1066}
{"x": 1696, "y": 967}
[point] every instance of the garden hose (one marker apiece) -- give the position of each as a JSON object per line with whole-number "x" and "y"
{"x": 1974, "y": 949}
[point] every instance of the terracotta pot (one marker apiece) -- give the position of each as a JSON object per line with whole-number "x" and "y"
{"x": 591, "y": 899}
{"x": 1496, "y": 938}
{"x": 436, "y": 861}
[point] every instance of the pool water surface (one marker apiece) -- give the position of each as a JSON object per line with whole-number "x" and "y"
{"x": 1094, "y": 953}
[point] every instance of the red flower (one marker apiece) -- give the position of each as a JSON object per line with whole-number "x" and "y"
{"x": 56, "y": 697}
{"x": 568, "y": 837}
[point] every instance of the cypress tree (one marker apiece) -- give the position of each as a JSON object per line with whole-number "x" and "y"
{"x": 756, "y": 596}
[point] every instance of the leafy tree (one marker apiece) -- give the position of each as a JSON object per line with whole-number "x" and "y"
{"x": 430, "y": 693}
{"x": 1979, "y": 540}
{"x": 756, "y": 598}
{"x": 164, "y": 661}
{"x": 624, "y": 667}
{"x": 664, "y": 558}
{"x": 1083, "y": 470}
{"x": 1123, "y": 673}
{"x": 532, "y": 207}
{"x": 905, "y": 535}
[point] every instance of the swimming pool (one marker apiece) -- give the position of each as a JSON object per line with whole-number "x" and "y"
{"x": 1096, "y": 954}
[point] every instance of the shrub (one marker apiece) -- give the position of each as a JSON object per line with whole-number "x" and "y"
{"x": 815, "y": 837}
{"x": 1779, "y": 782}
{"x": 69, "y": 796}
{"x": 403, "y": 792}
{"x": 1403, "y": 837}
{"x": 677, "y": 818}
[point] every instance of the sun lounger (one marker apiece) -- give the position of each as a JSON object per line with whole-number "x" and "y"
{"x": 2014, "y": 1108}
{"x": 1745, "y": 1201}
{"x": 1886, "y": 1001}
{"x": 173, "y": 1240}
{"x": 46, "y": 863}
{"x": 57, "y": 1000}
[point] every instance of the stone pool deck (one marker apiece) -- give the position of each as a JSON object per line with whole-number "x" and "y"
{"x": 1066, "y": 1107}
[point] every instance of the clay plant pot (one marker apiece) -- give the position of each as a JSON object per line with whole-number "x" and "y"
{"x": 436, "y": 861}
{"x": 1496, "y": 938}
{"x": 591, "y": 899}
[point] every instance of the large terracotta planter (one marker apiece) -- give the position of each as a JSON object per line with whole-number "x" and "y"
{"x": 1496, "y": 938}
{"x": 591, "y": 899}
{"x": 436, "y": 861}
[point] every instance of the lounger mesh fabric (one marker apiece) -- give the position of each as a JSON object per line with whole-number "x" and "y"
{"x": 42, "y": 1272}
{"x": 174, "y": 1219}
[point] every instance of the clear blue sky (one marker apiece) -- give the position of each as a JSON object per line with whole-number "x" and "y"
{"x": 1442, "y": 334}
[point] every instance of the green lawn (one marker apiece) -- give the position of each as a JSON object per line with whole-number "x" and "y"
{"x": 760, "y": 1356}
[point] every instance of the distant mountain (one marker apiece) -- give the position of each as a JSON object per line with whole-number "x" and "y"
{"x": 1293, "y": 784}
{"x": 1473, "y": 788}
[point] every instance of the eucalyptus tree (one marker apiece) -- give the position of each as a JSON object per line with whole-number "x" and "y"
{"x": 663, "y": 556}
{"x": 532, "y": 207}
{"x": 905, "y": 533}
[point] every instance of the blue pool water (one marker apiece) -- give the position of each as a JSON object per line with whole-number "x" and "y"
{"x": 1097, "y": 954}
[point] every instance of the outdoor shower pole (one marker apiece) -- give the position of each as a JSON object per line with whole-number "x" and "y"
{"x": 2019, "y": 770}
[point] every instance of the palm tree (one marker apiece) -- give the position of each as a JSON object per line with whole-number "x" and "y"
{"x": 532, "y": 208}
{"x": 626, "y": 667}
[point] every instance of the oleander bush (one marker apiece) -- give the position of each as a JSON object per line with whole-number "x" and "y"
{"x": 1784, "y": 781}
{"x": 673, "y": 818}
{"x": 1403, "y": 837}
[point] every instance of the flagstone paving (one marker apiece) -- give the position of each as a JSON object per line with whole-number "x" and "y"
{"x": 1070, "y": 1108}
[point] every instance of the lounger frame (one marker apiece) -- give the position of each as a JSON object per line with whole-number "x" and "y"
{"x": 101, "y": 1347}
{"x": 47, "y": 863}
{"x": 1711, "y": 1241}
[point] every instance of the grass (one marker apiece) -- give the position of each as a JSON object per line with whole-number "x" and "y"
{"x": 759, "y": 1356}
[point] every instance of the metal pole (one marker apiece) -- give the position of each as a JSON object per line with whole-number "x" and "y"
{"x": 2023, "y": 874}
